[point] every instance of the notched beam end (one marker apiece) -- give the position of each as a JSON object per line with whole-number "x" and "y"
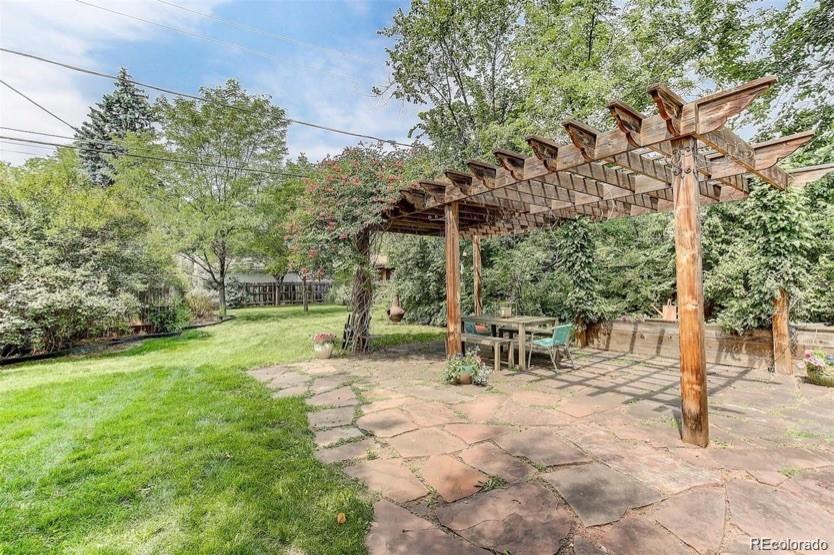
{"x": 629, "y": 120}
{"x": 715, "y": 109}
{"x": 545, "y": 150}
{"x": 513, "y": 162}
{"x": 583, "y": 136}
{"x": 483, "y": 172}
{"x": 669, "y": 106}
{"x": 803, "y": 176}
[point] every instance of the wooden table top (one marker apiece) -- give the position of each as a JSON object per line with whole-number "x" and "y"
{"x": 510, "y": 320}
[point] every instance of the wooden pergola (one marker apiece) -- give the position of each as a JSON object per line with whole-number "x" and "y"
{"x": 677, "y": 159}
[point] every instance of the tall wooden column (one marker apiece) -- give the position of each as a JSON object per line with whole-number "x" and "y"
{"x": 453, "y": 331}
{"x": 477, "y": 290}
{"x": 782, "y": 361}
{"x": 690, "y": 293}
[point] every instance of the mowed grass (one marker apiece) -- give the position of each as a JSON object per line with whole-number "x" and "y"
{"x": 169, "y": 447}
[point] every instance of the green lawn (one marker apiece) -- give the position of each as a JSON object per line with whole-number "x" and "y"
{"x": 168, "y": 446}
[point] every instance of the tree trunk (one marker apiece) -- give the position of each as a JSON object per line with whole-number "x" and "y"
{"x": 361, "y": 296}
{"x": 304, "y": 297}
{"x": 221, "y": 290}
{"x": 782, "y": 362}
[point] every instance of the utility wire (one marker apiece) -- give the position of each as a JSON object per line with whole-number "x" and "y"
{"x": 158, "y": 158}
{"x": 197, "y": 98}
{"x": 103, "y": 142}
{"x": 264, "y": 32}
{"x": 208, "y": 38}
{"x": 59, "y": 118}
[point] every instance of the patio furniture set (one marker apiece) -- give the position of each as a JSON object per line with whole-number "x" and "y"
{"x": 522, "y": 333}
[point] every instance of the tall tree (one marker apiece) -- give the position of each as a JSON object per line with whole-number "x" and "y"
{"x": 455, "y": 57}
{"x": 229, "y": 145}
{"x": 342, "y": 210}
{"x": 125, "y": 110}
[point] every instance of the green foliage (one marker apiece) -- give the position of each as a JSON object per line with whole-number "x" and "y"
{"x": 208, "y": 213}
{"x": 469, "y": 363}
{"x": 419, "y": 278}
{"x": 125, "y": 110}
{"x": 168, "y": 318}
{"x": 202, "y": 304}
{"x": 73, "y": 257}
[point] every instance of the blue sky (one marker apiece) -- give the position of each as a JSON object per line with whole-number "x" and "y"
{"x": 326, "y": 81}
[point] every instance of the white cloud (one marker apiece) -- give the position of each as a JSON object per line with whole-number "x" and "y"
{"x": 317, "y": 85}
{"x": 69, "y": 32}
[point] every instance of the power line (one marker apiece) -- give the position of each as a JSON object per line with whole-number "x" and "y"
{"x": 159, "y": 158}
{"x": 197, "y": 98}
{"x": 59, "y": 118}
{"x": 264, "y": 32}
{"x": 221, "y": 42}
{"x": 41, "y": 133}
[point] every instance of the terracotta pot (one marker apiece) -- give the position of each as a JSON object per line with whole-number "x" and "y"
{"x": 464, "y": 379}
{"x": 322, "y": 350}
{"x": 396, "y": 312}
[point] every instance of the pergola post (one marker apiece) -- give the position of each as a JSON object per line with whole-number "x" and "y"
{"x": 690, "y": 292}
{"x": 477, "y": 291}
{"x": 782, "y": 361}
{"x": 453, "y": 331}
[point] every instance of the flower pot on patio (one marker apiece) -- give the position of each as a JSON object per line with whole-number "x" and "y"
{"x": 819, "y": 367}
{"x": 323, "y": 345}
{"x": 463, "y": 379}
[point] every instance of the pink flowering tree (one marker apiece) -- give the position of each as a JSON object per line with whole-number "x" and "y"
{"x": 342, "y": 209}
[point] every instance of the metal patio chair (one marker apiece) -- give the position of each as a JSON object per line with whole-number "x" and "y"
{"x": 555, "y": 345}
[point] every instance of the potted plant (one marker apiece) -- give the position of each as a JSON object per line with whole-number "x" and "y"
{"x": 466, "y": 369}
{"x": 323, "y": 345}
{"x": 820, "y": 368}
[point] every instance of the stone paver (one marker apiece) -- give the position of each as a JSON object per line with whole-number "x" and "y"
{"x": 696, "y": 517}
{"x": 542, "y": 446}
{"x": 330, "y": 418}
{"x": 598, "y": 494}
{"x": 396, "y": 531}
{"x": 292, "y": 391}
{"x": 426, "y": 414}
{"x": 584, "y": 546}
{"x": 354, "y": 450}
{"x": 391, "y": 478}
{"x": 817, "y": 484}
{"x": 384, "y": 404}
{"x": 451, "y": 478}
{"x": 766, "y": 512}
{"x": 341, "y": 397}
{"x": 321, "y": 385}
{"x": 520, "y": 415}
{"x": 326, "y": 438}
{"x": 635, "y": 534}
{"x": 426, "y": 442}
{"x": 608, "y": 428}
{"x": 526, "y": 518}
{"x": 473, "y": 433}
{"x": 482, "y": 409}
{"x": 387, "y": 423}
{"x": 495, "y": 462}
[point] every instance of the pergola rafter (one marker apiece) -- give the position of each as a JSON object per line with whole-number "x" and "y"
{"x": 675, "y": 160}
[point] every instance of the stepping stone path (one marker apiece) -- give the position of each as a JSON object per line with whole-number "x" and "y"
{"x": 526, "y": 518}
{"x": 585, "y": 461}
{"x": 598, "y": 494}
{"x": 451, "y": 478}
{"x": 387, "y": 423}
{"x": 426, "y": 442}
{"x": 391, "y": 478}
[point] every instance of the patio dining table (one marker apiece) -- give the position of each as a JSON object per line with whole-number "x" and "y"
{"x": 521, "y": 323}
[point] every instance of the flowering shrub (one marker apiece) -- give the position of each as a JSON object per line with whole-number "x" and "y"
{"x": 323, "y": 338}
{"x": 818, "y": 360}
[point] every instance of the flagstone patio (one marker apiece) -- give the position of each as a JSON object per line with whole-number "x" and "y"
{"x": 587, "y": 460}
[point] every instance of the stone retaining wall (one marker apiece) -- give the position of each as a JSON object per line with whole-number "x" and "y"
{"x": 752, "y": 349}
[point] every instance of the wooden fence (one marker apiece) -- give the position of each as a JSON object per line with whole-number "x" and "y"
{"x": 273, "y": 294}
